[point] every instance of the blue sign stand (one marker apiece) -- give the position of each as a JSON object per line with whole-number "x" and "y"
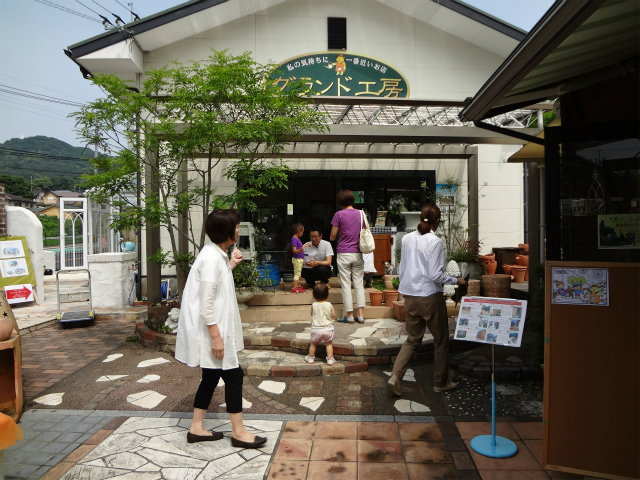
{"x": 492, "y": 445}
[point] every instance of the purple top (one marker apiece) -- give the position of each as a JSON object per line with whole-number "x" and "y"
{"x": 295, "y": 242}
{"x": 349, "y": 222}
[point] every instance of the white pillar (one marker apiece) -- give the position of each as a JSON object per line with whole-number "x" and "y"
{"x": 111, "y": 279}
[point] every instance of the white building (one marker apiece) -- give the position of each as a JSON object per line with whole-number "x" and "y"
{"x": 384, "y": 144}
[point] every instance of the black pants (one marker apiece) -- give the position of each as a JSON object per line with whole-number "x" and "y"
{"x": 319, "y": 272}
{"x": 232, "y": 388}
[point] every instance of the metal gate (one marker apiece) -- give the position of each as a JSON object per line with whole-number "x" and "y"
{"x": 73, "y": 247}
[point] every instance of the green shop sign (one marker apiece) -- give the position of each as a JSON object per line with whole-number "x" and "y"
{"x": 343, "y": 75}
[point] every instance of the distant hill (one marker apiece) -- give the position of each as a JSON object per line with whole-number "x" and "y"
{"x": 60, "y": 162}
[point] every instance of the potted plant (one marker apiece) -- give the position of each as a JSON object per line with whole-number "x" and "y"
{"x": 466, "y": 255}
{"x": 248, "y": 281}
{"x": 397, "y": 303}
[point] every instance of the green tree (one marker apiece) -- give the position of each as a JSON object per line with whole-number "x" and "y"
{"x": 186, "y": 126}
{"x": 50, "y": 225}
{"x": 16, "y": 186}
{"x": 43, "y": 183}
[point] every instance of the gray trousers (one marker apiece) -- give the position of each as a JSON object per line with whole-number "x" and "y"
{"x": 351, "y": 267}
{"x": 421, "y": 313}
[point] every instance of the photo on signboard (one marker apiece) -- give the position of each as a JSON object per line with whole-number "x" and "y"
{"x": 465, "y": 310}
{"x": 496, "y": 312}
{"x": 16, "y": 267}
{"x": 492, "y": 337}
{"x": 513, "y": 338}
{"x": 482, "y": 334}
{"x": 515, "y": 324}
{"x": 461, "y": 334}
{"x": 516, "y": 312}
{"x": 494, "y": 325}
{"x": 11, "y": 249}
{"x": 483, "y": 323}
{"x": 485, "y": 310}
{"x": 463, "y": 321}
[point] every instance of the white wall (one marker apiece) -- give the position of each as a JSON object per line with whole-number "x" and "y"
{"x": 437, "y": 65}
{"x": 501, "y": 205}
{"x": 112, "y": 279}
{"x": 23, "y": 223}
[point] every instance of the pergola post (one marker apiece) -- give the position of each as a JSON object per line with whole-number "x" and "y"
{"x": 152, "y": 240}
{"x": 473, "y": 193}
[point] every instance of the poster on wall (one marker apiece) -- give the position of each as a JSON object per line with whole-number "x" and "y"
{"x": 11, "y": 249}
{"x": 619, "y": 231}
{"x": 381, "y": 218}
{"x": 446, "y": 195}
{"x": 580, "y": 286}
{"x": 358, "y": 196}
{"x": 496, "y": 321}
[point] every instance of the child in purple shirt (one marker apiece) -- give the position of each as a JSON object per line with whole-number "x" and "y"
{"x": 298, "y": 256}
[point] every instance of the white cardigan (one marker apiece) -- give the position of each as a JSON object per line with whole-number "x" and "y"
{"x": 209, "y": 299}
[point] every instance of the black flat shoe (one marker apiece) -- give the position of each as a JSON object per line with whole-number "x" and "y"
{"x": 192, "y": 438}
{"x": 257, "y": 443}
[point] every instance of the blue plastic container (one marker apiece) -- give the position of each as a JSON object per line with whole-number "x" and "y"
{"x": 270, "y": 271}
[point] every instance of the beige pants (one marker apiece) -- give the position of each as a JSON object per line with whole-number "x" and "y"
{"x": 351, "y": 267}
{"x": 423, "y": 312}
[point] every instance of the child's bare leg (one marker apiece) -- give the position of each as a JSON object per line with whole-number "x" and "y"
{"x": 312, "y": 349}
{"x": 329, "y": 347}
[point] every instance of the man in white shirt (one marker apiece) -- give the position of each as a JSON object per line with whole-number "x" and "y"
{"x": 317, "y": 259}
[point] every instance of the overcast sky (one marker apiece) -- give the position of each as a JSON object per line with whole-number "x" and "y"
{"x": 33, "y": 36}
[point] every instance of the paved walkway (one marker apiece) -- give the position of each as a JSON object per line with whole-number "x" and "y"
{"x": 99, "y": 407}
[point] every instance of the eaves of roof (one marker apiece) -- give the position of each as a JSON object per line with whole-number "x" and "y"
{"x": 146, "y": 24}
{"x": 576, "y": 43}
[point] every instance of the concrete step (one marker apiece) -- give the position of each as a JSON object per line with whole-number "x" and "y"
{"x": 297, "y": 313}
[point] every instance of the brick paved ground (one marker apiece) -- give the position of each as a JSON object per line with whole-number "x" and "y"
{"x": 53, "y": 353}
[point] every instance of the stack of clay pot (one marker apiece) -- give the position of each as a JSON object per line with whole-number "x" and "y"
{"x": 507, "y": 270}
{"x": 489, "y": 261}
{"x": 520, "y": 271}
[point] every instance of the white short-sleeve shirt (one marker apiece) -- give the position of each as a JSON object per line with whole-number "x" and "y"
{"x": 209, "y": 299}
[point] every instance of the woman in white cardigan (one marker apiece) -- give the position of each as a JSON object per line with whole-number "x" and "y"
{"x": 210, "y": 329}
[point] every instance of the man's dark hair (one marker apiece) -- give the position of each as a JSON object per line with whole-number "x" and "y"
{"x": 221, "y": 225}
{"x": 315, "y": 229}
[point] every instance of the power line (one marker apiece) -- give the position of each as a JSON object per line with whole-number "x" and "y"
{"x": 34, "y": 84}
{"x": 37, "y": 96}
{"x": 67, "y": 10}
{"x": 88, "y": 8}
{"x": 48, "y": 156}
{"x": 28, "y": 104}
{"x": 36, "y": 113}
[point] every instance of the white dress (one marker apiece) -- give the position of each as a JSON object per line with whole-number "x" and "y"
{"x": 209, "y": 299}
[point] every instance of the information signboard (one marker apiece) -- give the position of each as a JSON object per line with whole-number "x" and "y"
{"x": 495, "y": 321}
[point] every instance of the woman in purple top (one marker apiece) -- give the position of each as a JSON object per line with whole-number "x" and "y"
{"x": 348, "y": 223}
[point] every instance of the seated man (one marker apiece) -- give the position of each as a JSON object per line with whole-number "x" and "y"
{"x": 317, "y": 259}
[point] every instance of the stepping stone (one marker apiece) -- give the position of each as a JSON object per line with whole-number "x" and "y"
{"x": 273, "y": 387}
{"x": 153, "y": 361}
{"x": 109, "y": 378}
{"x": 407, "y": 406}
{"x": 363, "y": 332}
{"x": 312, "y": 403}
{"x": 51, "y": 399}
{"x": 387, "y": 323}
{"x": 111, "y": 358}
{"x": 358, "y": 341}
{"x": 149, "y": 378}
{"x": 245, "y": 404}
{"x": 263, "y": 329}
{"x": 304, "y": 335}
{"x": 146, "y": 399}
{"x": 409, "y": 376}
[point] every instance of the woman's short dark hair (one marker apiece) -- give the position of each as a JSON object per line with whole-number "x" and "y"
{"x": 345, "y": 198}
{"x": 320, "y": 291}
{"x": 429, "y": 216}
{"x": 221, "y": 225}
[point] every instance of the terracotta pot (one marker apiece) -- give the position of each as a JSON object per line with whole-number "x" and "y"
{"x": 487, "y": 257}
{"x": 388, "y": 281}
{"x": 6, "y": 328}
{"x": 507, "y": 269}
{"x": 522, "y": 260}
{"x": 376, "y": 297}
{"x": 390, "y": 296}
{"x": 492, "y": 266}
{"x": 518, "y": 272}
{"x": 524, "y": 247}
{"x": 526, "y": 274}
{"x": 398, "y": 310}
{"x": 498, "y": 286}
{"x": 473, "y": 290}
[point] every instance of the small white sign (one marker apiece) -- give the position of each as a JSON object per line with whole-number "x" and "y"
{"x": 18, "y": 293}
{"x": 289, "y": 208}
